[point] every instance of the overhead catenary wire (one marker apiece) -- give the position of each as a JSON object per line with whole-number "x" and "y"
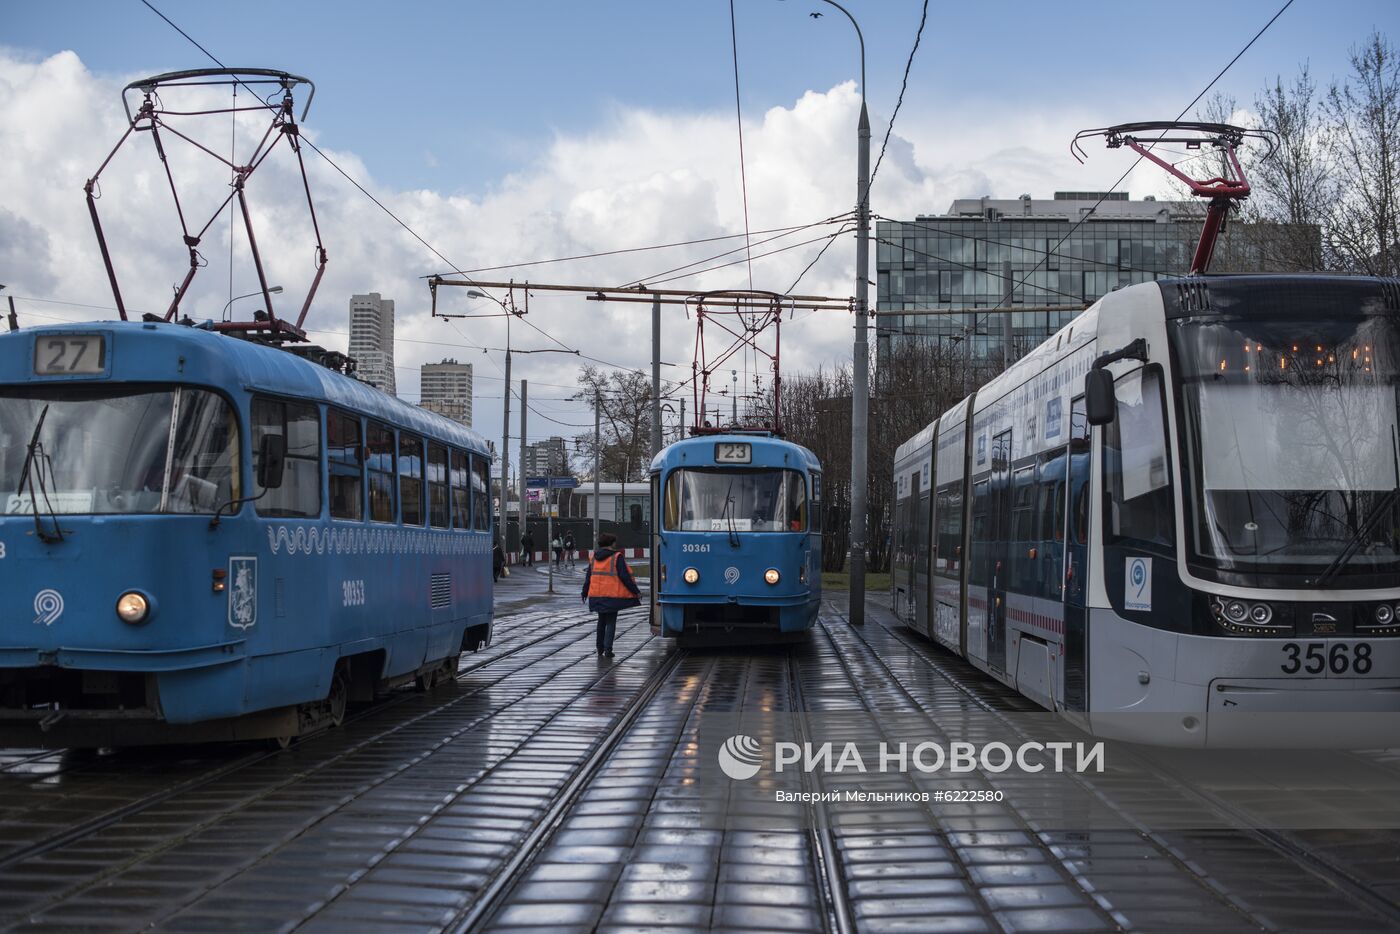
{"x": 899, "y": 102}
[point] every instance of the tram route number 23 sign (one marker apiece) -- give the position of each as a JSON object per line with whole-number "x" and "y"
{"x": 1137, "y": 584}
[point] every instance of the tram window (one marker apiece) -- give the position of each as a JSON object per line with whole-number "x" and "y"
{"x": 461, "y": 491}
{"x": 300, "y": 424}
{"x": 381, "y": 472}
{"x": 411, "y": 478}
{"x": 815, "y": 520}
{"x": 438, "y": 515}
{"x": 1050, "y": 506}
{"x": 948, "y": 551}
{"x": 203, "y": 465}
{"x": 1081, "y": 516}
{"x": 1023, "y": 505}
{"x": 1136, "y": 471}
{"x": 981, "y": 532}
{"x": 345, "y": 460}
{"x": 921, "y": 526}
{"x": 481, "y": 493}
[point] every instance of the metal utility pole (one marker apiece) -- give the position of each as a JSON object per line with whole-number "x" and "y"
{"x": 860, "y": 364}
{"x": 505, "y": 447}
{"x": 734, "y": 402}
{"x": 1008, "y": 293}
{"x": 523, "y": 409}
{"x": 14, "y": 318}
{"x": 682, "y": 418}
{"x": 655, "y": 375}
{"x": 597, "y": 464}
{"x": 860, "y": 389}
{"x": 549, "y": 529}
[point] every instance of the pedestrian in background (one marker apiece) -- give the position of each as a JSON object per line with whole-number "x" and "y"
{"x": 498, "y": 560}
{"x": 527, "y": 549}
{"x": 557, "y": 546}
{"x": 569, "y": 547}
{"x": 609, "y": 588}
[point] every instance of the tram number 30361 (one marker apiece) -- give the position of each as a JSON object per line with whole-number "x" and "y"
{"x": 1315, "y": 657}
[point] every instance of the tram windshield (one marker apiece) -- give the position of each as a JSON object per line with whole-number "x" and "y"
{"x": 106, "y": 450}
{"x": 1293, "y": 449}
{"x": 736, "y": 500}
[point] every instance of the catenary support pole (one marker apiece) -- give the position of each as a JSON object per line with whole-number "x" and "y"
{"x": 505, "y": 451}
{"x": 860, "y": 372}
{"x": 656, "y": 375}
{"x": 524, "y": 513}
{"x": 597, "y": 464}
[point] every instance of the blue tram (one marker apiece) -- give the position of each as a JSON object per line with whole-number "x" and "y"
{"x": 205, "y": 538}
{"x": 736, "y": 557}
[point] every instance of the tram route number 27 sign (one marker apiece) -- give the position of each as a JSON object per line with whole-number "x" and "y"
{"x": 1137, "y": 584}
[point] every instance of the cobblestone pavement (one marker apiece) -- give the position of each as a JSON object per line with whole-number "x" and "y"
{"x": 549, "y": 789}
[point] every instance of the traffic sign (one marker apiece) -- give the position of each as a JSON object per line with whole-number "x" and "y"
{"x": 551, "y": 483}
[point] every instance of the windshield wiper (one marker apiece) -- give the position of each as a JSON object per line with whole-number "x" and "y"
{"x": 1353, "y": 544}
{"x": 724, "y": 514}
{"x": 28, "y": 474}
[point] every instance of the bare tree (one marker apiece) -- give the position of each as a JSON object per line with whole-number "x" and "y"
{"x": 625, "y": 406}
{"x": 1293, "y": 187}
{"x": 1363, "y": 233}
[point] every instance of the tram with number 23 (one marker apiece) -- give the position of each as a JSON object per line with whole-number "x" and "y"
{"x": 736, "y": 555}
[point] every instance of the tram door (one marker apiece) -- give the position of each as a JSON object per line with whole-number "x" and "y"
{"x": 1076, "y": 688}
{"x": 654, "y": 541}
{"x": 1000, "y": 552}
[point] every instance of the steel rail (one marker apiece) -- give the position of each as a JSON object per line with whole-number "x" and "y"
{"x": 1281, "y": 842}
{"x": 132, "y": 808}
{"x": 492, "y": 897}
{"x": 825, "y": 855}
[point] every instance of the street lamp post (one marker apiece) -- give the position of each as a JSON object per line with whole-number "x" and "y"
{"x": 223, "y": 315}
{"x": 860, "y": 364}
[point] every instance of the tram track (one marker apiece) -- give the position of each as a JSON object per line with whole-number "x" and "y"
{"x": 826, "y": 858}
{"x": 489, "y": 901}
{"x": 1282, "y": 843}
{"x": 107, "y": 820}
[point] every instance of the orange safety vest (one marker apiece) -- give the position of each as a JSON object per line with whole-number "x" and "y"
{"x": 604, "y": 580}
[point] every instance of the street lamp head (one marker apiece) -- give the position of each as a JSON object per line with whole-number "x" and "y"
{"x": 275, "y": 289}
{"x": 473, "y": 293}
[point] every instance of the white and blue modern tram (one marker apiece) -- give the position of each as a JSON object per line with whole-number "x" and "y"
{"x": 1177, "y": 521}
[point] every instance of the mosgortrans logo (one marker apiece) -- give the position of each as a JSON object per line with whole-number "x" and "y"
{"x": 741, "y": 757}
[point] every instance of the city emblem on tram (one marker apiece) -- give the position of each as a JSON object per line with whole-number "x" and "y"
{"x": 242, "y": 592}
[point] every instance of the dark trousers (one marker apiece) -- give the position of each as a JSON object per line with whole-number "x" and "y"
{"x": 607, "y": 628}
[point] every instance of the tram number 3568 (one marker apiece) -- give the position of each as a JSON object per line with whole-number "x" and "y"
{"x": 1315, "y": 657}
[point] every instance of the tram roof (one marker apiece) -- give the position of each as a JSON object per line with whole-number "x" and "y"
{"x": 768, "y": 451}
{"x": 213, "y": 359}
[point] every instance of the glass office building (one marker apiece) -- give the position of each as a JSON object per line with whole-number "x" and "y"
{"x": 959, "y": 260}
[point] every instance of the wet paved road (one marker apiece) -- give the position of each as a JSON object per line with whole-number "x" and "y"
{"x": 548, "y": 789}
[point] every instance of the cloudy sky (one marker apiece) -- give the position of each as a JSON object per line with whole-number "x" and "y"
{"x": 508, "y": 133}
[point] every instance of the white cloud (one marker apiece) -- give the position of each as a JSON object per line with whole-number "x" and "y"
{"x": 643, "y": 177}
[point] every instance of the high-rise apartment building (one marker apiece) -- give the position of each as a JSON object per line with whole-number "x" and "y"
{"x": 446, "y": 388}
{"x": 372, "y": 339}
{"x": 549, "y": 458}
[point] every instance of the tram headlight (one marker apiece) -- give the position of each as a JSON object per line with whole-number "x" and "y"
{"x": 1261, "y": 613}
{"x": 133, "y": 607}
{"x": 1236, "y": 612}
{"x": 772, "y": 576}
{"x": 1385, "y": 614}
{"x": 691, "y": 576}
